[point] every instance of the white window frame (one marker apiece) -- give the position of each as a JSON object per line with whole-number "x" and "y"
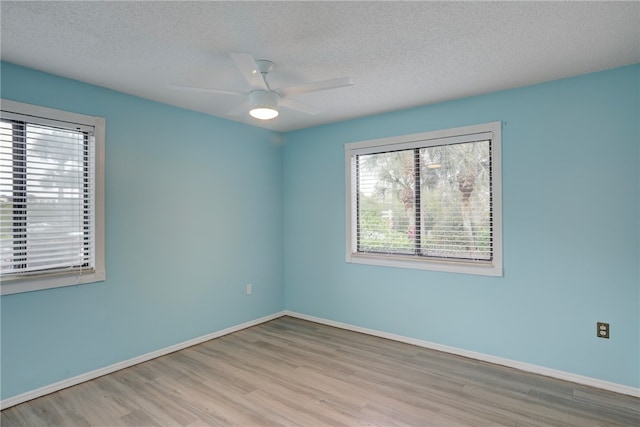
{"x": 441, "y": 137}
{"x": 19, "y": 284}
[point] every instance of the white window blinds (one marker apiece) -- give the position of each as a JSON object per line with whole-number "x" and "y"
{"x": 433, "y": 201}
{"x": 429, "y": 201}
{"x": 47, "y": 197}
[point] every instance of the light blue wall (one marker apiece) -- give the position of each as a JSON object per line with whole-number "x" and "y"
{"x": 571, "y": 225}
{"x": 193, "y": 213}
{"x": 195, "y": 210}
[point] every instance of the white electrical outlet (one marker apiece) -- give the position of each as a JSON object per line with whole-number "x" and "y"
{"x": 603, "y": 330}
{"x": 249, "y": 289}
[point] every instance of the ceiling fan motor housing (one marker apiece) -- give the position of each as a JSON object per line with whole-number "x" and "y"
{"x": 263, "y": 100}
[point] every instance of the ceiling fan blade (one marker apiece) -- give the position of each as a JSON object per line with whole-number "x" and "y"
{"x": 239, "y": 109}
{"x": 205, "y": 90}
{"x": 315, "y": 86}
{"x": 298, "y": 106}
{"x": 250, "y": 71}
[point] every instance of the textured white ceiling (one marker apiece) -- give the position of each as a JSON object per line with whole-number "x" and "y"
{"x": 399, "y": 54}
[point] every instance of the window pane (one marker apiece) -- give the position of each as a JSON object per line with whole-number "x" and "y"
{"x": 6, "y": 195}
{"x": 55, "y": 204}
{"x": 386, "y": 204}
{"x": 45, "y": 189}
{"x": 454, "y": 196}
{"x": 455, "y": 201}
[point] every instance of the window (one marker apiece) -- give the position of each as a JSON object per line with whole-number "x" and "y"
{"x": 51, "y": 198}
{"x": 427, "y": 201}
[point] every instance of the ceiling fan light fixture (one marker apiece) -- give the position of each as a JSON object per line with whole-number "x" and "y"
{"x": 263, "y": 104}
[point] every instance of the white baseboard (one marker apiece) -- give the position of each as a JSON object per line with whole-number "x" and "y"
{"x": 527, "y": 367}
{"x": 21, "y": 398}
{"x": 51, "y": 388}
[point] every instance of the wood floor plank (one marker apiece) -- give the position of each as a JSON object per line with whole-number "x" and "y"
{"x": 291, "y": 372}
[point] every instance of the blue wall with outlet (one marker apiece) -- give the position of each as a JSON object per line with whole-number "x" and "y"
{"x": 570, "y": 157}
{"x": 193, "y": 214}
{"x": 198, "y": 207}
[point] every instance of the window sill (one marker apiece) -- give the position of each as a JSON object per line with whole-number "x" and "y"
{"x": 38, "y": 283}
{"x": 472, "y": 267}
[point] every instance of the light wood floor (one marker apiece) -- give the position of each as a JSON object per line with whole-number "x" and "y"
{"x": 293, "y": 372}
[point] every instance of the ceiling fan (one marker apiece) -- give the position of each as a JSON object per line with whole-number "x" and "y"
{"x": 263, "y": 101}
